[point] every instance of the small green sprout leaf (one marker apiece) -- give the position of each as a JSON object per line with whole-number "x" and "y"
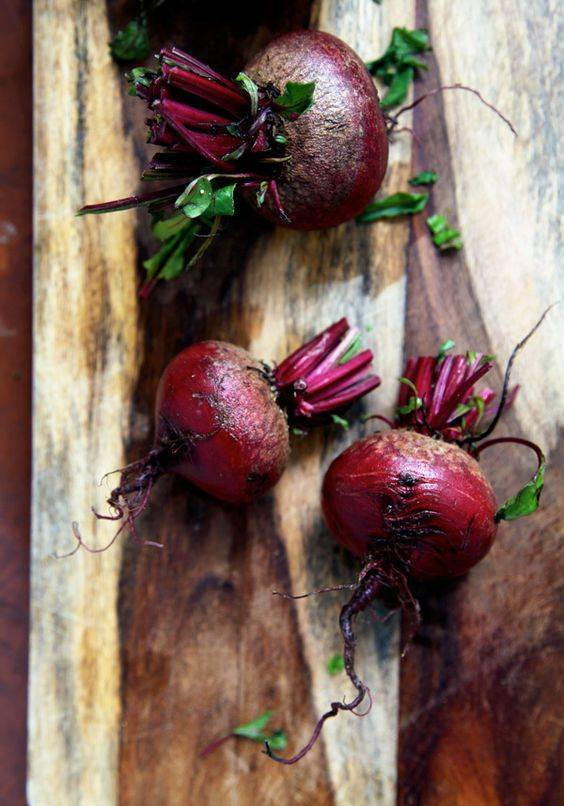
{"x": 398, "y": 88}
{"x": 527, "y": 499}
{"x": 397, "y": 204}
{"x": 255, "y": 728}
{"x": 424, "y": 178}
{"x": 223, "y": 202}
{"x": 340, "y": 421}
{"x": 197, "y": 197}
{"x": 261, "y": 193}
{"x": 254, "y": 731}
{"x": 414, "y": 404}
{"x": 444, "y": 348}
{"x": 398, "y": 65}
{"x": 336, "y": 664}
{"x": 131, "y": 43}
{"x": 251, "y": 89}
{"x": 296, "y": 99}
{"x": 444, "y": 237}
{"x": 353, "y": 350}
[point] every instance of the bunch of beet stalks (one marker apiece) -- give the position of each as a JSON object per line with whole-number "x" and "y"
{"x": 300, "y": 136}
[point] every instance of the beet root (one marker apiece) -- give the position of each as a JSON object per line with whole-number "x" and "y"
{"x": 338, "y": 149}
{"x": 413, "y": 502}
{"x": 300, "y": 136}
{"x": 222, "y": 418}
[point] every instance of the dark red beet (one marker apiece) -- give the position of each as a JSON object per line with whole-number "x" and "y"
{"x": 214, "y": 396}
{"x": 402, "y": 495}
{"x": 222, "y": 417}
{"x": 338, "y": 149}
{"x": 412, "y": 502}
{"x": 308, "y": 169}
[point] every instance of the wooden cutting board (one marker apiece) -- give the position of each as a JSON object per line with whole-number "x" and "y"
{"x": 141, "y": 657}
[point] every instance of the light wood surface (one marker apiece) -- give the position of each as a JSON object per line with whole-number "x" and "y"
{"x": 140, "y": 657}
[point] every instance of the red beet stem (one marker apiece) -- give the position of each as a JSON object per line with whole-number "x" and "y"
{"x": 181, "y": 96}
{"x": 442, "y": 385}
{"x": 314, "y": 380}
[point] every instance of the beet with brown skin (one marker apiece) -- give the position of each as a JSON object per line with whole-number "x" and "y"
{"x": 338, "y": 149}
{"x": 308, "y": 169}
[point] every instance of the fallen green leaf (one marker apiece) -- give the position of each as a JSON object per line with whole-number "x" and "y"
{"x": 397, "y": 204}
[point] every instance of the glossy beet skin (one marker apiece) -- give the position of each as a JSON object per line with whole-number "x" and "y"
{"x": 338, "y": 149}
{"x": 237, "y": 443}
{"x": 413, "y": 500}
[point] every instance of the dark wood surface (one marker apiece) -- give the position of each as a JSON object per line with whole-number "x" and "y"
{"x": 199, "y": 645}
{"x": 15, "y": 387}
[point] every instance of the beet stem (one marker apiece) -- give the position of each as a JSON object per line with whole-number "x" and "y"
{"x": 426, "y": 95}
{"x": 503, "y": 399}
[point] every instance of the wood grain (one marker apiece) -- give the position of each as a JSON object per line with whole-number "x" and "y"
{"x": 139, "y": 658}
{"x": 481, "y": 698}
{"x": 87, "y": 354}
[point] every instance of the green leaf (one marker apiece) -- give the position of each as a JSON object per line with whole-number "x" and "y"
{"x": 398, "y": 65}
{"x": 254, "y": 729}
{"x": 278, "y": 740}
{"x": 255, "y": 732}
{"x": 296, "y": 99}
{"x": 154, "y": 263}
{"x": 298, "y": 432}
{"x": 353, "y": 350}
{"x": 165, "y": 228}
{"x": 139, "y": 75}
{"x": 395, "y": 205}
{"x": 251, "y": 89}
{"x": 281, "y": 139}
{"x": 261, "y": 193}
{"x": 132, "y": 42}
{"x": 444, "y": 348}
{"x": 424, "y": 178}
{"x": 223, "y": 202}
{"x": 197, "y": 197}
{"x": 409, "y": 383}
{"x": 340, "y": 421}
{"x": 336, "y": 664}
{"x": 398, "y": 89}
{"x": 444, "y": 237}
{"x": 527, "y": 499}
{"x": 414, "y": 404}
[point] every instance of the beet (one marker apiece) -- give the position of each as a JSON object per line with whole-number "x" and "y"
{"x": 223, "y": 418}
{"x": 408, "y": 494}
{"x": 300, "y": 135}
{"x": 338, "y": 149}
{"x": 413, "y": 502}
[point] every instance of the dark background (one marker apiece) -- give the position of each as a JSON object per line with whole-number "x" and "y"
{"x": 15, "y": 388}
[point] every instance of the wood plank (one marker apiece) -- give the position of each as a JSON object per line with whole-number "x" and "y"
{"x": 481, "y": 699}
{"x": 212, "y": 590}
{"x": 87, "y": 354}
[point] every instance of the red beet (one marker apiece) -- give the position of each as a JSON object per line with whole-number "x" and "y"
{"x": 309, "y": 164}
{"x": 402, "y": 493}
{"x": 222, "y": 417}
{"x": 412, "y": 502}
{"x": 338, "y": 149}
